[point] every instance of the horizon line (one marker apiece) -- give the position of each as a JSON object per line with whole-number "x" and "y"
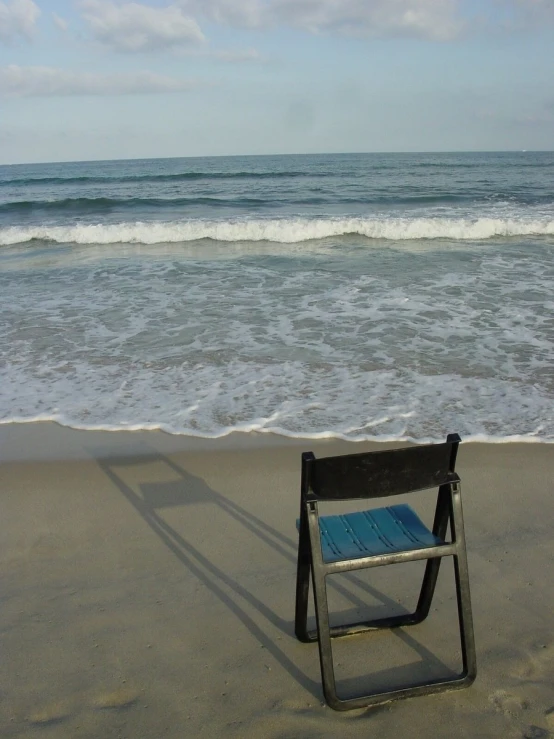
{"x": 289, "y": 154}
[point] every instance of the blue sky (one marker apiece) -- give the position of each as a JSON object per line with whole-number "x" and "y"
{"x": 103, "y": 79}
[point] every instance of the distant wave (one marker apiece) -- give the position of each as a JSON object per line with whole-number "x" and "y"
{"x": 95, "y": 205}
{"x": 86, "y": 205}
{"x": 73, "y": 206}
{"x": 176, "y": 176}
{"x": 479, "y": 165}
{"x": 7, "y": 179}
{"x": 285, "y": 230}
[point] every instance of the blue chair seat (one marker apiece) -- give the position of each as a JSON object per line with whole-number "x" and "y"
{"x": 377, "y": 531}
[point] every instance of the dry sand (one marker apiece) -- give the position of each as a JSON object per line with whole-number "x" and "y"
{"x": 147, "y": 590}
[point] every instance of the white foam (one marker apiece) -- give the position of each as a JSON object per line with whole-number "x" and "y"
{"x": 388, "y": 345}
{"x": 285, "y": 230}
{"x": 530, "y": 438}
{"x": 213, "y": 401}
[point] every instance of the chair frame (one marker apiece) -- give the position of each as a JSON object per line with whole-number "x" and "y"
{"x": 310, "y": 563}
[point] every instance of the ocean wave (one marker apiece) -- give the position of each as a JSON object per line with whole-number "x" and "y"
{"x": 534, "y": 164}
{"x": 168, "y": 177}
{"x": 90, "y": 205}
{"x": 285, "y": 230}
{"x": 103, "y": 204}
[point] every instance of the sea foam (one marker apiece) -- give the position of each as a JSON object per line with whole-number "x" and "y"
{"x": 284, "y": 230}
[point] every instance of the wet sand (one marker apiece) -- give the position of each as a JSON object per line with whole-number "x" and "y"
{"x": 147, "y": 590}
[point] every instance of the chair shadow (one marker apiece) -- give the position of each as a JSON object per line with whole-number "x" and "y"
{"x": 189, "y": 489}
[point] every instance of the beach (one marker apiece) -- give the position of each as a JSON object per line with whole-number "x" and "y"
{"x": 148, "y": 582}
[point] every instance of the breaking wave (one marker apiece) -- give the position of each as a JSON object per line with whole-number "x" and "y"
{"x": 284, "y": 230}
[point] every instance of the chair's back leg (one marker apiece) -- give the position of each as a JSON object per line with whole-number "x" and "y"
{"x": 304, "y": 564}
{"x": 440, "y": 525}
{"x": 302, "y": 589}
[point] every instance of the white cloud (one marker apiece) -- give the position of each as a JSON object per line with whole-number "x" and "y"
{"x": 241, "y": 13}
{"x": 50, "y": 81}
{"x": 136, "y": 27}
{"x": 434, "y": 19}
{"x": 17, "y": 18}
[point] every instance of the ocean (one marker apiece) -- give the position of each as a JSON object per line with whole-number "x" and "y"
{"x": 359, "y": 296}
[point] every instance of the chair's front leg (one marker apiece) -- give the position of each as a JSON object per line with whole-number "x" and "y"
{"x": 321, "y": 609}
{"x": 324, "y": 638}
{"x": 462, "y": 589}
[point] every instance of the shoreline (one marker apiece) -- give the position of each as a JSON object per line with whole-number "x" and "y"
{"x": 51, "y": 440}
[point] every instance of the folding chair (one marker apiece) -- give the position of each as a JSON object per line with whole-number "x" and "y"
{"x": 381, "y": 536}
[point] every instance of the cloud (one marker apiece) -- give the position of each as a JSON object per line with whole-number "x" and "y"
{"x": 134, "y": 27}
{"x": 49, "y": 82}
{"x": 241, "y": 13}
{"x": 433, "y": 19}
{"x": 17, "y": 18}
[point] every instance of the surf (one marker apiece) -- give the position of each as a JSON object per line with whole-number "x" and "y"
{"x": 283, "y": 230}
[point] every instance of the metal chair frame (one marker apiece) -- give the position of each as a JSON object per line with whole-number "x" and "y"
{"x": 372, "y": 475}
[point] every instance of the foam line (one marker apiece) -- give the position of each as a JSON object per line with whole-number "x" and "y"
{"x": 286, "y": 230}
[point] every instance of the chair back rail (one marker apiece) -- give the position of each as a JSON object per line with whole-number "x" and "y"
{"x": 380, "y": 474}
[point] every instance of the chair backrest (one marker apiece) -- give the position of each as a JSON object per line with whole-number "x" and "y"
{"x": 380, "y": 474}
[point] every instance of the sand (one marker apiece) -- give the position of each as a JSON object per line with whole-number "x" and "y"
{"x": 147, "y": 590}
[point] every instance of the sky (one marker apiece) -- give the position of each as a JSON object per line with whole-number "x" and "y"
{"x": 111, "y": 79}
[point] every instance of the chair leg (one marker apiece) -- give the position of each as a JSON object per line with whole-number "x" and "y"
{"x": 463, "y": 595}
{"x": 465, "y": 617}
{"x": 427, "y": 589}
{"x": 302, "y": 595}
{"x": 324, "y": 639}
{"x": 440, "y": 526}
